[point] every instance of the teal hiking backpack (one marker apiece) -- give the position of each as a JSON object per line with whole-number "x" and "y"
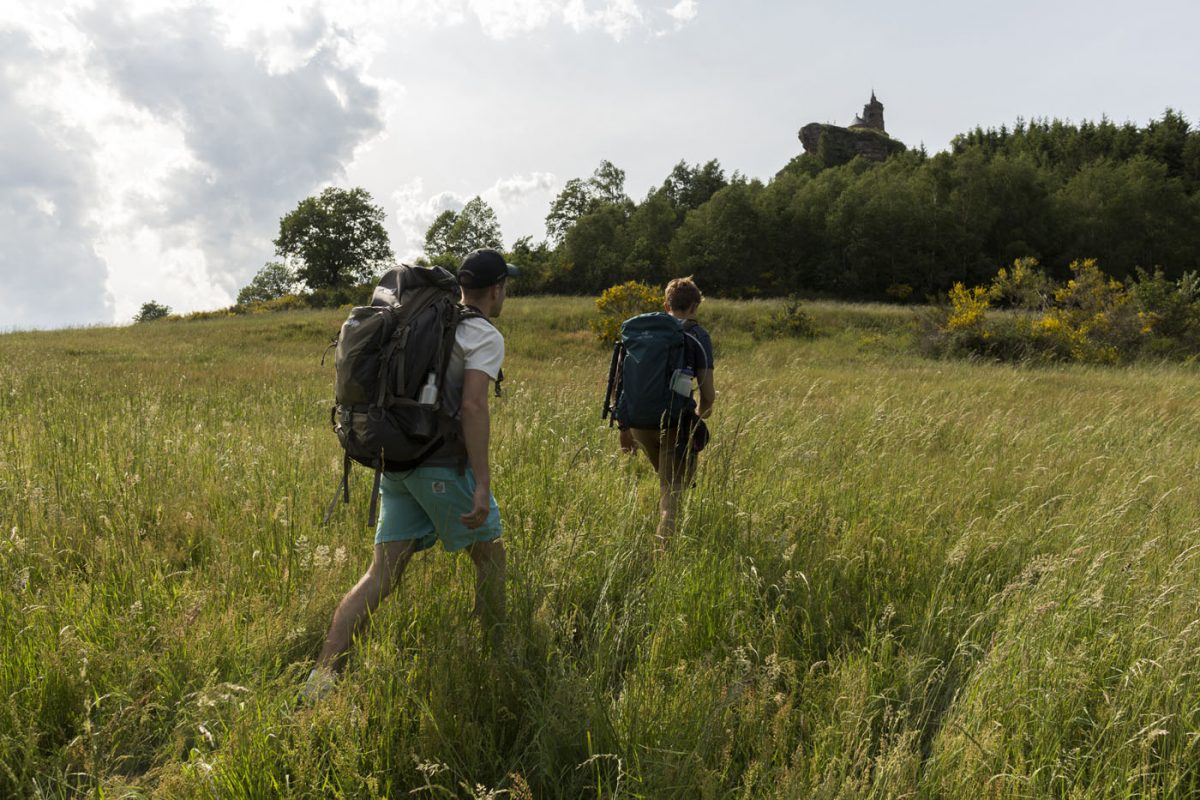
{"x": 388, "y": 356}
{"x": 646, "y": 363}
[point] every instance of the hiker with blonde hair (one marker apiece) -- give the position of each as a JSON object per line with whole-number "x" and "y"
{"x": 661, "y": 357}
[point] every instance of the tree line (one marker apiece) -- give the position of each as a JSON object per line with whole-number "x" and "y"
{"x": 909, "y": 227}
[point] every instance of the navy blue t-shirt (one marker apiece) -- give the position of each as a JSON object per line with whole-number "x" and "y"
{"x": 698, "y": 349}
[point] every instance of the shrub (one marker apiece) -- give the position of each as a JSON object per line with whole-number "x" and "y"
{"x": 619, "y": 303}
{"x": 1025, "y": 286}
{"x": 152, "y": 310}
{"x": 1091, "y": 319}
{"x": 216, "y": 313}
{"x": 1168, "y": 310}
{"x": 274, "y": 280}
{"x": 967, "y": 307}
{"x": 790, "y": 321}
{"x": 1098, "y": 310}
{"x": 288, "y": 302}
{"x": 335, "y": 297}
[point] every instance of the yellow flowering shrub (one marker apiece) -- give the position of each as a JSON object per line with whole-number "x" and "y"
{"x": 619, "y": 303}
{"x": 1022, "y": 286}
{"x": 1092, "y": 318}
{"x": 1090, "y": 290}
{"x": 967, "y": 307}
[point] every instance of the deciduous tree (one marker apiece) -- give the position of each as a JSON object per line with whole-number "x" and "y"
{"x": 336, "y": 239}
{"x": 455, "y": 233}
{"x": 274, "y": 280}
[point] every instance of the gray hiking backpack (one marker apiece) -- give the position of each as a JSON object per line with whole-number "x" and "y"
{"x": 391, "y": 359}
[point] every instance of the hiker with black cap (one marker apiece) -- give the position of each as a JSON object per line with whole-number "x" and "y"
{"x": 448, "y": 497}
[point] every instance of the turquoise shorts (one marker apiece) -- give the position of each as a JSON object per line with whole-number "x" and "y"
{"x": 425, "y": 504}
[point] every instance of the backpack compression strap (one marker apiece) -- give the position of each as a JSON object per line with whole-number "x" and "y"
{"x": 343, "y": 489}
{"x": 373, "y": 515}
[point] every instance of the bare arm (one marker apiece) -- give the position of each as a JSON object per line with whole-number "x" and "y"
{"x": 476, "y": 425}
{"x": 708, "y": 393}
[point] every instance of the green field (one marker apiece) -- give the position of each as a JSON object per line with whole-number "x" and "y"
{"x": 896, "y": 577}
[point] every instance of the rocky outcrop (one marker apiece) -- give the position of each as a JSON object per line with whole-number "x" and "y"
{"x": 836, "y": 145}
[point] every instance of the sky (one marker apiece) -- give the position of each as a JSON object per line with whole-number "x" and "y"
{"x": 148, "y": 148}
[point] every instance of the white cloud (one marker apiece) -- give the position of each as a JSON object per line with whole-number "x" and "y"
{"x": 509, "y": 192}
{"x": 49, "y": 274}
{"x": 430, "y": 13}
{"x": 413, "y": 212}
{"x": 503, "y": 19}
{"x": 615, "y": 17}
{"x": 684, "y": 11}
{"x": 258, "y": 140}
{"x": 150, "y": 146}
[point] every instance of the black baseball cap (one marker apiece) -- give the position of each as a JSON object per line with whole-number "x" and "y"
{"x": 484, "y": 268}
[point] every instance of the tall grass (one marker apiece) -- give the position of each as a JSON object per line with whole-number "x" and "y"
{"x": 895, "y": 577}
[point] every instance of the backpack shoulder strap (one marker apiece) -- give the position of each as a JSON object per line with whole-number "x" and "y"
{"x": 690, "y": 325}
{"x": 471, "y": 312}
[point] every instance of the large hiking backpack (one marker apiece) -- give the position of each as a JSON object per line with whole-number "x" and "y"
{"x": 386, "y": 353}
{"x": 646, "y": 362}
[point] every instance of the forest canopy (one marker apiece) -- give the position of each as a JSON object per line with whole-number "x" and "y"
{"x": 911, "y": 226}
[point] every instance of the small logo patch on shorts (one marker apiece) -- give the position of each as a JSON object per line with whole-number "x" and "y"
{"x": 438, "y": 487}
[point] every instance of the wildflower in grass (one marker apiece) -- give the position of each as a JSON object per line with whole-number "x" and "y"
{"x": 430, "y": 769}
{"x": 774, "y": 667}
{"x": 207, "y": 734}
{"x": 521, "y": 789}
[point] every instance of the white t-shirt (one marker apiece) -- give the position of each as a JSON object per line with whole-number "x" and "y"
{"x": 477, "y": 345}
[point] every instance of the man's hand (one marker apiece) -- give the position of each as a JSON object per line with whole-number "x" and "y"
{"x": 628, "y": 443}
{"x": 480, "y": 506}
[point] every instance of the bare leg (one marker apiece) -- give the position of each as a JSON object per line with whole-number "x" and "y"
{"x": 361, "y": 601}
{"x": 490, "y": 572}
{"x": 673, "y": 477}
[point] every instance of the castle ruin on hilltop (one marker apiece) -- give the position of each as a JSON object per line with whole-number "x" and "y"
{"x": 872, "y": 116}
{"x": 866, "y": 137}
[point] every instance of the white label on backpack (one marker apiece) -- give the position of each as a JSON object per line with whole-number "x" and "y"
{"x": 438, "y": 487}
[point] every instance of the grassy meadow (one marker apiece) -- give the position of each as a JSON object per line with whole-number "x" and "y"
{"x": 896, "y": 577}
